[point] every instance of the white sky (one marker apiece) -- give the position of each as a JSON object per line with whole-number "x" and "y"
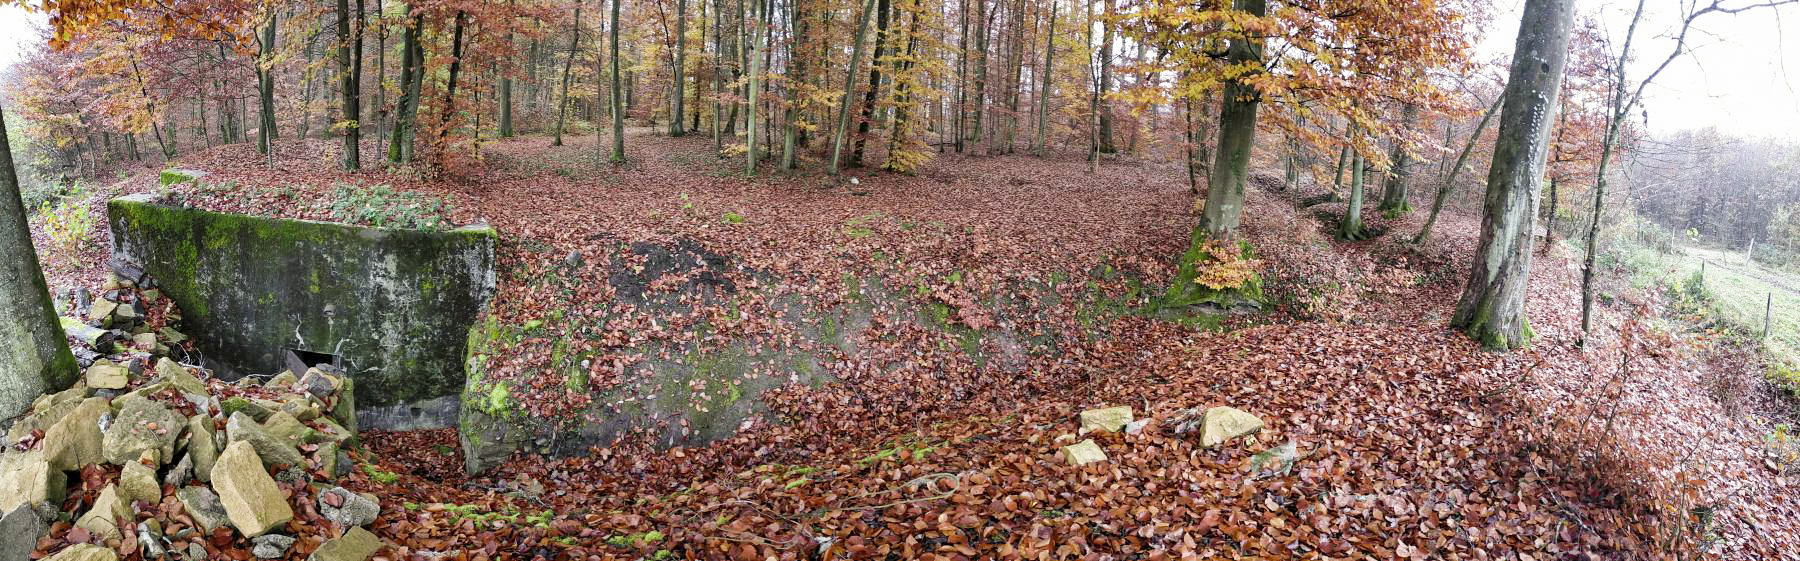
{"x": 1738, "y": 75}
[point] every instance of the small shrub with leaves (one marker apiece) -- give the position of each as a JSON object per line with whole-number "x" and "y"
{"x": 70, "y": 225}
{"x": 385, "y": 207}
{"x": 1225, "y": 266}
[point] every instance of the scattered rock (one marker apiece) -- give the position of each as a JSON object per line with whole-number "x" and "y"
{"x": 137, "y": 482}
{"x": 203, "y": 506}
{"x": 106, "y": 375}
{"x": 271, "y": 546}
{"x": 196, "y": 552}
{"x": 285, "y": 428}
{"x": 1221, "y": 424}
{"x": 250, "y": 496}
{"x": 18, "y": 532}
{"x": 84, "y": 552}
{"x": 143, "y": 424}
{"x": 317, "y": 383}
{"x": 27, "y": 479}
{"x": 241, "y": 428}
{"x": 1111, "y": 419}
{"x": 75, "y": 440}
{"x": 150, "y": 540}
{"x": 103, "y": 518}
{"x": 168, "y": 371}
{"x": 183, "y": 472}
{"x": 203, "y": 448}
{"x": 356, "y": 545}
{"x": 348, "y": 509}
{"x": 1084, "y": 452}
{"x": 281, "y": 381}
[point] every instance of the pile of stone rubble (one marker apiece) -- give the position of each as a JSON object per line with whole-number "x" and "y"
{"x": 148, "y": 458}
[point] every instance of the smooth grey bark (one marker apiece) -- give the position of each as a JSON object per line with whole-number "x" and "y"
{"x": 1443, "y": 191}
{"x": 506, "y": 98}
{"x": 843, "y": 118}
{"x": 1351, "y": 228}
{"x": 1106, "y": 83}
{"x": 1231, "y": 165}
{"x": 680, "y": 97}
{"x": 1492, "y": 307}
{"x": 1043, "y": 123}
{"x": 754, "y": 53}
{"x": 618, "y": 110}
{"x": 34, "y": 355}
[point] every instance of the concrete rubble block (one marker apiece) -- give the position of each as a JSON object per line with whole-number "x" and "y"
{"x": 1111, "y": 419}
{"x": 26, "y": 478}
{"x": 252, "y": 501}
{"x": 273, "y": 451}
{"x": 84, "y": 552}
{"x": 1084, "y": 453}
{"x": 75, "y": 440}
{"x": 142, "y": 424}
{"x": 103, "y": 518}
{"x": 355, "y": 545}
{"x": 1222, "y": 424}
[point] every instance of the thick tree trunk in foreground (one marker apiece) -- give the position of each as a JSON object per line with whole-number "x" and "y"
{"x": 1231, "y": 164}
{"x": 1492, "y": 308}
{"x": 34, "y": 355}
{"x": 868, "y": 104}
{"x": 1351, "y": 228}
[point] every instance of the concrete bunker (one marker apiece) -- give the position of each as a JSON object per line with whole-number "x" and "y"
{"x": 392, "y": 308}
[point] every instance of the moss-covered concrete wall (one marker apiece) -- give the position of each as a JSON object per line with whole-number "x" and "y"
{"x": 395, "y": 306}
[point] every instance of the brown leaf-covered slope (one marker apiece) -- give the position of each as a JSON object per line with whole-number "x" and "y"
{"x": 1411, "y": 442}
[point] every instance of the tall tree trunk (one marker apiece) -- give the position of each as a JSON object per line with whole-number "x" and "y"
{"x": 1106, "y": 83}
{"x": 400, "y": 148}
{"x": 797, "y": 57}
{"x": 1351, "y": 228}
{"x": 962, "y": 72}
{"x": 350, "y": 77}
{"x": 618, "y": 110}
{"x": 1550, "y": 217}
{"x": 677, "y": 118}
{"x": 1015, "y": 59}
{"x": 856, "y": 54}
{"x": 1443, "y": 191}
{"x": 1043, "y": 123}
{"x": 265, "y": 81}
{"x": 1093, "y": 93}
{"x": 1225, "y": 186}
{"x": 506, "y": 98}
{"x": 718, "y": 76}
{"x": 1492, "y": 307}
{"x": 755, "y": 55}
{"x": 381, "y": 109}
{"x": 34, "y": 354}
{"x": 1394, "y": 201}
{"x": 984, "y": 21}
{"x": 562, "y": 106}
{"x": 868, "y": 104}
{"x": 456, "y": 50}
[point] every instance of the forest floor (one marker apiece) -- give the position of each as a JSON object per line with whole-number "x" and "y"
{"x": 1408, "y": 441}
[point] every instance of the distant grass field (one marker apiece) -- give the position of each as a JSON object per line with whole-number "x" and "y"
{"x": 1741, "y": 292}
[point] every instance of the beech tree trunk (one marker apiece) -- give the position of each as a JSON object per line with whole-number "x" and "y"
{"x": 400, "y": 149}
{"x": 1443, "y": 192}
{"x": 1225, "y": 186}
{"x": 856, "y": 53}
{"x": 562, "y": 106}
{"x": 1043, "y": 124}
{"x": 868, "y": 104}
{"x": 350, "y": 78}
{"x": 1351, "y": 228}
{"x": 1492, "y": 307}
{"x": 506, "y": 98}
{"x": 755, "y": 54}
{"x": 1394, "y": 201}
{"x": 618, "y": 110}
{"x": 1106, "y": 83}
{"x": 34, "y": 355}
{"x": 676, "y": 120}
{"x": 265, "y": 81}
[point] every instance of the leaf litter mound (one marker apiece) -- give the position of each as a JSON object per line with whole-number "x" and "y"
{"x": 1408, "y": 441}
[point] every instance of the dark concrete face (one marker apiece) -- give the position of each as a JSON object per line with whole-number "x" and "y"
{"x": 393, "y": 308}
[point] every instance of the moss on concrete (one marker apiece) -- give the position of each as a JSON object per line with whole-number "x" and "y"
{"x": 394, "y": 305}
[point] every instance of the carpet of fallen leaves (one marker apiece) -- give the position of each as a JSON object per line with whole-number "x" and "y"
{"x": 1409, "y": 442}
